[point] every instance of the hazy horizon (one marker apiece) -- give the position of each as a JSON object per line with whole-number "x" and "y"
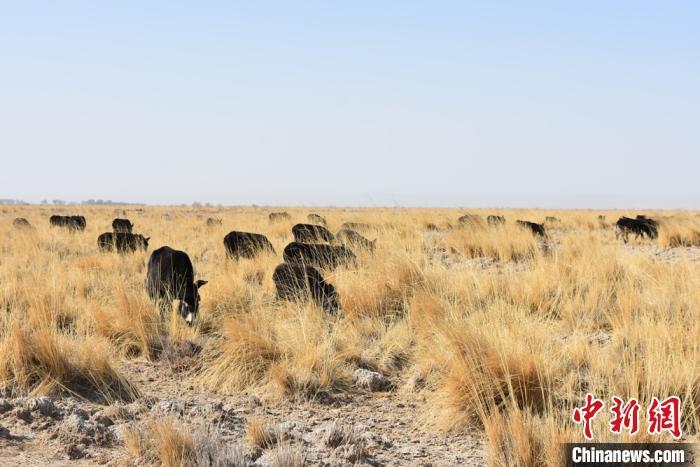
{"x": 396, "y": 104}
{"x": 579, "y": 203}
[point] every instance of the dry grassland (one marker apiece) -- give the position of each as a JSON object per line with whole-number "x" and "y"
{"x": 478, "y": 331}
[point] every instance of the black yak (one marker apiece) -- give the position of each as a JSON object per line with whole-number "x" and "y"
{"x": 358, "y": 226}
{"x": 534, "y": 227}
{"x": 316, "y": 219}
{"x": 246, "y": 244}
{"x": 473, "y": 220}
{"x": 22, "y": 224}
{"x": 123, "y": 242}
{"x": 122, "y": 225}
{"x": 73, "y": 223}
{"x": 355, "y": 240}
{"x": 319, "y": 255}
{"x": 279, "y": 216}
{"x": 310, "y": 233}
{"x": 495, "y": 220}
{"x": 640, "y": 227}
{"x": 299, "y": 282}
{"x": 170, "y": 276}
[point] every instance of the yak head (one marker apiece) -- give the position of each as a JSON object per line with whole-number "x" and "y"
{"x": 189, "y": 303}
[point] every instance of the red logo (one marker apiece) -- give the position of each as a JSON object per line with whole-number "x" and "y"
{"x": 626, "y": 416}
{"x": 662, "y": 415}
{"x": 587, "y": 413}
{"x": 665, "y": 416}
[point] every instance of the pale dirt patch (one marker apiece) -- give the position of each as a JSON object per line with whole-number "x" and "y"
{"x": 387, "y": 427}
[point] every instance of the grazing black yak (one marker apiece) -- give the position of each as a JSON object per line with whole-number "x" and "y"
{"x": 122, "y": 225}
{"x": 80, "y": 221}
{"x": 22, "y": 224}
{"x": 71, "y": 222}
{"x": 317, "y": 219}
{"x": 170, "y": 276}
{"x": 640, "y": 227}
{"x": 496, "y": 220}
{"x": 534, "y": 227}
{"x": 648, "y": 221}
{"x": 355, "y": 240}
{"x": 123, "y": 242}
{"x": 471, "y": 219}
{"x": 299, "y": 282}
{"x": 57, "y": 221}
{"x": 279, "y": 216}
{"x": 310, "y": 233}
{"x": 361, "y": 226}
{"x": 319, "y": 255}
{"x": 246, "y": 244}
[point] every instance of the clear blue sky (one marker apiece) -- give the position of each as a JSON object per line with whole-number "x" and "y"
{"x": 538, "y": 104}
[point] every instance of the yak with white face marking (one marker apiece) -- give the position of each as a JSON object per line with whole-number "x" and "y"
{"x": 171, "y": 277}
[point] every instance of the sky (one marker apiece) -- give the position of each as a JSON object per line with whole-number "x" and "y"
{"x": 483, "y": 104}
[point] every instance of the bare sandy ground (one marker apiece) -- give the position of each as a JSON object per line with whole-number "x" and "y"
{"x": 388, "y": 425}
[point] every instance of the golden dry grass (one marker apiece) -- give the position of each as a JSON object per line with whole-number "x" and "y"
{"x": 678, "y": 231}
{"x": 164, "y": 440}
{"x": 260, "y": 433}
{"x": 499, "y": 333}
{"x": 168, "y": 442}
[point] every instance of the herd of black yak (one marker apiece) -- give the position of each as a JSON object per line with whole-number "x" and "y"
{"x": 170, "y": 274}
